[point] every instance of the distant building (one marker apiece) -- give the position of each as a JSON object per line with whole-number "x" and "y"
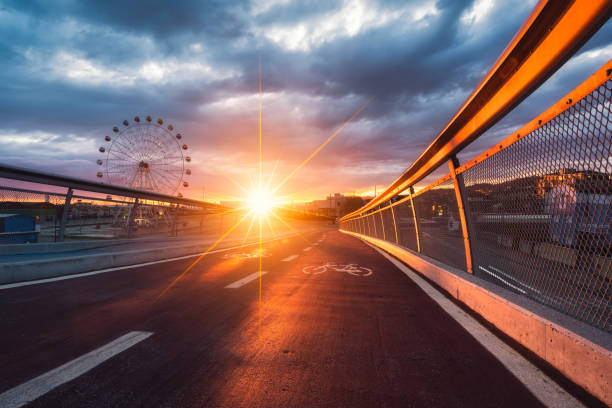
{"x": 232, "y": 204}
{"x": 335, "y": 205}
{"x": 588, "y": 181}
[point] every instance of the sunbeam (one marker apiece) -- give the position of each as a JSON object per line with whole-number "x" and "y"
{"x": 272, "y": 175}
{"x": 270, "y": 226}
{"x": 246, "y": 236}
{"x": 291, "y": 228}
{"x": 260, "y": 123}
{"x": 232, "y": 180}
{"x": 261, "y": 200}
{"x": 210, "y": 248}
{"x": 318, "y": 149}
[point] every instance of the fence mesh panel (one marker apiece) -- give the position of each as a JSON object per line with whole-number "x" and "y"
{"x": 375, "y": 224}
{"x": 541, "y": 212}
{"x": 389, "y": 225}
{"x": 440, "y": 226}
{"x": 404, "y": 219}
{"x": 45, "y": 208}
{"x": 96, "y": 216}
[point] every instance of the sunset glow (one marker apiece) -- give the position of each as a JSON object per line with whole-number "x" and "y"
{"x": 261, "y": 201}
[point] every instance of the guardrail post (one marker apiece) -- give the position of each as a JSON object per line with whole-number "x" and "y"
{"x": 64, "y": 219}
{"x": 416, "y": 220}
{"x": 394, "y": 225}
{"x": 202, "y": 222}
{"x": 464, "y": 211}
{"x": 374, "y": 226}
{"x": 130, "y": 220}
{"x": 382, "y": 225}
{"x": 174, "y": 232}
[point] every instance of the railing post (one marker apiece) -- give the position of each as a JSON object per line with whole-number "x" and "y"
{"x": 464, "y": 211}
{"x": 374, "y": 224}
{"x": 414, "y": 217}
{"x": 64, "y": 218}
{"x": 174, "y": 231}
{"x": 130, "y": 219}
{"x": 382, "y": 226}
{"x": 394, "y": 225}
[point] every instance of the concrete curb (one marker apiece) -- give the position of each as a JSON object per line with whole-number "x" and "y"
{"x": 580, "y": 360}
{"x": 33, "y": 270}
{"x": 49, "y": 247}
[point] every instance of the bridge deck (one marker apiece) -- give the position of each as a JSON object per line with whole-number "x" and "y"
{"x": 331, "y": 337}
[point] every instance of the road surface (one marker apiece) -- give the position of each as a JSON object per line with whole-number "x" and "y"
{"x": 338, "y": 325}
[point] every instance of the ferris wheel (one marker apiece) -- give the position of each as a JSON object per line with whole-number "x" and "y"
{"x": 145, "y": 155}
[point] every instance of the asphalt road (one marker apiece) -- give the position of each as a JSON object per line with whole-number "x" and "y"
{"x": 357, "y": 336}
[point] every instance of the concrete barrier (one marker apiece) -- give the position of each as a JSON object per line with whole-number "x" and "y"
{"x": 14, "y": 272}
{"x": 50, "y": 247}
{"x": 582, "y": 361}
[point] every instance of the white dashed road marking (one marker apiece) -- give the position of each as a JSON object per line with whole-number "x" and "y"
{"x": 41, "y": 385}
{"x": 240, "y": 283}
{"x": 307, "y": 249}
{"x": 290, "y": 258}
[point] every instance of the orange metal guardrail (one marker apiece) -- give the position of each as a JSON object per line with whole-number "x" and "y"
{"x": 551, "y": 35}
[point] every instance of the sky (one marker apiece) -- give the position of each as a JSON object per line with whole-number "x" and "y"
{"x": 71, "y": 70}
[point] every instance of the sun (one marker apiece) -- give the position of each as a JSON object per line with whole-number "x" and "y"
{"x": 261, "y": 201}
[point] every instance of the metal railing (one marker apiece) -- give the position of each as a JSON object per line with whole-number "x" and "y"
{"x": 104, "y": 211}
{"x": 531, "y": 214}
{"x": 85, "y": 209}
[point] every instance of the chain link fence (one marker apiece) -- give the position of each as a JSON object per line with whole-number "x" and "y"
{"x": 538, "y": 213}
{"x": 35, "y": 216}
{"x": 439, "y": 225}
{"x": 541, "y": 212}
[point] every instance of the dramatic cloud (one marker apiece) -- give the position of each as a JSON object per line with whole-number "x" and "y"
{"x": 71, "y": 70}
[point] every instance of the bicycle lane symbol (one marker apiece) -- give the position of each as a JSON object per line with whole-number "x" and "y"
{"x": 351, "y": 269}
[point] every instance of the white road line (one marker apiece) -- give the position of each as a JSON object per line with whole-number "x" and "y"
{"x": 36, "y": 387}
{"x": 514, "y": 279}
{"x": 315, "y": 244}
{"x": 290, "y": 258}
{"x": 240, "y": 283}
{"x": 119, "y": 268}
{"x": 540, "y": 385}
{"x": 501, "y": 279}
{"x": 307, "y": 248}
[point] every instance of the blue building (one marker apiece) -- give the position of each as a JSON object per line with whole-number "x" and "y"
{"x": 15, "y": 223}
